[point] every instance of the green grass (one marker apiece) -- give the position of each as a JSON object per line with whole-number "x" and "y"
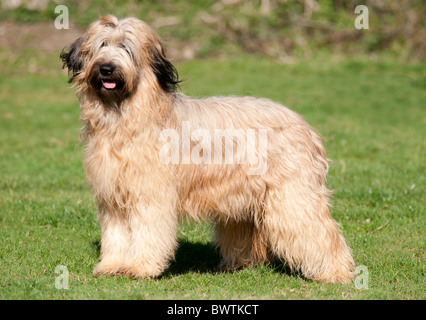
{"x": 371, "y": 114}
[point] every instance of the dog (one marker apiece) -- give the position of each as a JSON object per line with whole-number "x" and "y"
{"x": 130, "y": 106}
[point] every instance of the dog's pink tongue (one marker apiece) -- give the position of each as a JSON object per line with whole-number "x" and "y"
{"x": 109, "y": 85}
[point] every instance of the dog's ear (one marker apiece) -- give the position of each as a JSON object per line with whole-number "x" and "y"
{"x": 73, "y": 59}
{"x": 166, "y": 73}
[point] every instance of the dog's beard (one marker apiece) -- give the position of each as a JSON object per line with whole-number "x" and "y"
{"x": 111, "y": 89}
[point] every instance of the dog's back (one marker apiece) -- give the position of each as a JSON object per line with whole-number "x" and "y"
{"x": 273, "y": 145}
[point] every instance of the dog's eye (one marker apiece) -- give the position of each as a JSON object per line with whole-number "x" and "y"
{"x": 103, "y": 44}
{"x": 126, "y": 49}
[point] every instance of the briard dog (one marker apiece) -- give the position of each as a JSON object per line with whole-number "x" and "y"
{"x": 130, "y": 108}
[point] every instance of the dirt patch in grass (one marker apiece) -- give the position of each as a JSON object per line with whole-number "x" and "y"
{"x": 43, "y": 37}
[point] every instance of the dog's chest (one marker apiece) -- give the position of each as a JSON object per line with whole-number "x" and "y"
{"x": 128, "y": 163}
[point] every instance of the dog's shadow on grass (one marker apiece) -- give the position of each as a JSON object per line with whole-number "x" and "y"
{"x": 189, "y": 257}
{"x": 194, "y": 257}
{"x": 203, "y": 258}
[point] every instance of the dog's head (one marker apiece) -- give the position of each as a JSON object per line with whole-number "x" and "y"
{"x": 114, "y": 57}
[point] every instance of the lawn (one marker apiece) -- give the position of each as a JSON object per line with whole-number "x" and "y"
{"x": 372, "y": 115}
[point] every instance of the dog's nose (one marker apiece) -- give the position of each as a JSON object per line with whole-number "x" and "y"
{"x": 106, "y": 69}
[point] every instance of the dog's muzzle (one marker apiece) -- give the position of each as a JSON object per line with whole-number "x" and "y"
{"x": 109, "y": 78}
{"x": 107, "y": 71}
{"x": 108, "y": 81}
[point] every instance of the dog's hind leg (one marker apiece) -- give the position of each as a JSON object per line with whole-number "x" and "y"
{"x": 301, "y": 231}
{"x": 241, "y": 244}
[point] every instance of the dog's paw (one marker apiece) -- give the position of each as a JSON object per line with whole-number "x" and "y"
{"x": 108, "y": 268}
{"x": 224, "y": 267}
{"x": 141, "y": 271}
{"x": 135, "y": 271}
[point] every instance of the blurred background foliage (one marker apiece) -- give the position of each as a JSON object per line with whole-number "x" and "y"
{"x": 285, "y": 30}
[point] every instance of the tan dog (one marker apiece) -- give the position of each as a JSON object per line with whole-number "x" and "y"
{"x": 265, "y": 191}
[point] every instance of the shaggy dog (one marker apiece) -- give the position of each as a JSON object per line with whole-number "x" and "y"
{"x": 253, "y": 167}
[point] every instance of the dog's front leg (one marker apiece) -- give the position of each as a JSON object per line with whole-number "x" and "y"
{"x": 114, "y": 242}
{"x": 139, "y": 242}
{"x": 153, "y": 239}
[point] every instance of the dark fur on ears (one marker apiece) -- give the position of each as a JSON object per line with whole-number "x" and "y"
{"x": 166, "y": 73}
{"x": 72, "y": 59}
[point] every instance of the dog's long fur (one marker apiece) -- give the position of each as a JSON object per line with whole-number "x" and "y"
{"x": 283, "y": 212}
